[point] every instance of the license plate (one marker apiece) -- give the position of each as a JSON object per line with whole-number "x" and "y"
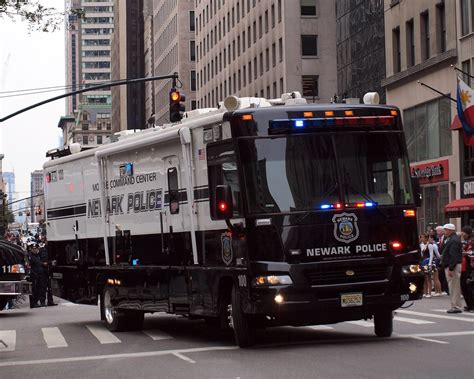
{"x": 351, "y": 300}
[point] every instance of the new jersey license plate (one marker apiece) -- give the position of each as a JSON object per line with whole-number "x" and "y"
{"x": 351, "y": 299}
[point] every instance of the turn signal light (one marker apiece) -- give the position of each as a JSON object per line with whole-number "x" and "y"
{"x": 409, "y": 213}
{"x": 396, "y": 245}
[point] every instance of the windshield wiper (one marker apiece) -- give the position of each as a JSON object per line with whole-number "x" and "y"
{"x": 307, "y": 213}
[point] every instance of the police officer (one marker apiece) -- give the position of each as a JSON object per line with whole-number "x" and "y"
{"x": 37, "y": 278}
{"x": 47, "y": 279}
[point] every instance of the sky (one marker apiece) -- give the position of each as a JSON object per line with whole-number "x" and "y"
{"x": 29, "y": 60}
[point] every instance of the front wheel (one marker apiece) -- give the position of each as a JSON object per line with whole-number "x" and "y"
{"x": 244, "y": 329}
{"x": 383, "y": 323}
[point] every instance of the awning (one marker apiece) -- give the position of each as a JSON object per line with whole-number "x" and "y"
{"x": 460, "y": 205}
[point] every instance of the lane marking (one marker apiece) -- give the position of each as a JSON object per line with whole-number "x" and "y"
{"x": 157, "y": 335}
{"x": 183, "y": 357}
{"x": 103, "y": 334}
{"x": 413, "y": 320}
{"x": 9, "y": 338}
{"x": 430, "y": 340}
{"x": 53, "y": 337}
{"x": 321, "y": 327}
{"x": 446, "y": 334}
{"x": 117, "y": 356}
{"x": 434, "y": 316}
{"x": 464, "y": 313}
{"x": 365, "y": 324}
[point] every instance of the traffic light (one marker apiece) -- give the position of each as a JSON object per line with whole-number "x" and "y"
{"x": 177, "y": 106}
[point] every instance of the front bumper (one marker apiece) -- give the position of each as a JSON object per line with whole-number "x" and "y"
{"x": 302, "y": 304}
{"x": 15, "y": 288}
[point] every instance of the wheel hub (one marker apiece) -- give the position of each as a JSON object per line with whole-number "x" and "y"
{"x": 108, "y": 308}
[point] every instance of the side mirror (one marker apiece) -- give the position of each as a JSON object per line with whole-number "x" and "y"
{"x": 223, "y": 203}
{"x": 415, "y": 184}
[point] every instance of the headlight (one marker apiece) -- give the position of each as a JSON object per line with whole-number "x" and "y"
{"x": 411, "y": 269}
{"x": 271, "y": 280}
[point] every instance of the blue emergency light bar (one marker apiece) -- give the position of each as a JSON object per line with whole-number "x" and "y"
{"x": 367, "y": 204}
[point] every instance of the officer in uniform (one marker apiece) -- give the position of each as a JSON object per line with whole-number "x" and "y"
{"x": 37, "y": 278}
{"x": 47, "y": 279}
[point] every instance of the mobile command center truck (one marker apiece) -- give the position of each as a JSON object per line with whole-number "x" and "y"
{"x": 260, "y": 213}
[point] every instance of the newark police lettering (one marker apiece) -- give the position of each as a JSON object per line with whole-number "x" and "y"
{"x": 346, "y": 250}
{"x": 140, "y": 201}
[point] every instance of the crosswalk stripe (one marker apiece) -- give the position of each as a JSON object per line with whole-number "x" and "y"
{"x": 102, "y": 334}
{"x": 459, "y": 314}
{"x": 423, "y": 314}
{"x": 413, "y": 320}
{"x": 53, "y": 337}
{"x": 157, "y": 335}
{"x": 365, "y": 324}
{"x": 321, "y": 327}
{"x": 9, "y": 339}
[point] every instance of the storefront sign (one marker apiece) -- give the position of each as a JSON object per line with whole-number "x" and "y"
{"x": 467, "y": 188}
{"x": 431, "y": 172}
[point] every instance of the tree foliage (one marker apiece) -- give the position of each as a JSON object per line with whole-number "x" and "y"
{"x": 38, "y": 17}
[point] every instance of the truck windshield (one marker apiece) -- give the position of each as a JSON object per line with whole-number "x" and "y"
{"x": 304, "y": 172}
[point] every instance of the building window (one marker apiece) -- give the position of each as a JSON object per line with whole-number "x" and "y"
{"x": 308, "y": 7}
{"x": 109, "y": 126}
{"x": 441, "y": 27}
{"x": 310, "y": 84}
{"x": 192, "y": 50}
{"x": 99, "y": 140}
{"x": 85, "y": 140}
{"x": 279, "y": 10}
{"x": 435, "y": 197}
{"x": 274, "y": 55}
{"x": 273, "y": 15}
{"x": 280, "y": 49}
{"x": 267, "y": 59}
{"x": 464, "y": 17}
{"x": 192, "y": 25}
{"x": 427, "y": 130}
{"x": 254, "y": 31}
{"x": 85, "y": 126}
{"x": 396, "y": 50}
{"x": 425, "y": 35}
{"x": 266, "y": 21}
{"x": 193, "y": 104}
{"x": 466, "y": 67}
{"x": 261, "y": 64}
{"x": 260, "y": 27}
{"x": 193, "y": 80}
{"x": 309, "y": 45}
{"x": 410, "y": 43}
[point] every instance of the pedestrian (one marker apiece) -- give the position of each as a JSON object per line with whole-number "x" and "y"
{"x": 466, "y": 268}
{"x": 37, "y": 278}
{"x": 440, "y": 242}
{"x": 451, "y": 260}
{"x": 435, "y": 263}
{"x": 46, "y": 272}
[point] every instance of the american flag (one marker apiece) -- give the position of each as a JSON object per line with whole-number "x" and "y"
{"x": 202, "y": 154}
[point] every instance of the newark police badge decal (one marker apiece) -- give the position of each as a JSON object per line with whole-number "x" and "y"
{"x": 226, "y": 244}
{"x": 345, "y": 227}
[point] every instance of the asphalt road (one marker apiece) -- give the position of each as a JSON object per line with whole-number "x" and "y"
{"x": 69, "y": 341}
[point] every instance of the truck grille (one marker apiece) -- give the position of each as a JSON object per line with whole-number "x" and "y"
{"x": 342, "y": 275}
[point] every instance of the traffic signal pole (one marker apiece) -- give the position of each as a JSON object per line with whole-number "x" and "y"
{"x": 173, "y": 76}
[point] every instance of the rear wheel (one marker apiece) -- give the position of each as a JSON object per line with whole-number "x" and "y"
{"x": 383, "y": 323}
{"x": 114, "y": 318}
{"x": 244, "y": 329}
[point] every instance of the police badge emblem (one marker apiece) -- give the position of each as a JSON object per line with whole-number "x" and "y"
{"x": 226, "y": 245}
{"x": 345, "y": 227}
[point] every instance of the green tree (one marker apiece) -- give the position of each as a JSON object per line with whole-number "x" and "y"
{"x": 38, "y": 17}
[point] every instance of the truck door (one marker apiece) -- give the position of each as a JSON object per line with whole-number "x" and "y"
{"x": 175, "y": 235}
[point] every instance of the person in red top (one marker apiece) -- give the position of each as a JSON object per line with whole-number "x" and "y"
{"x": 467, "y": 253}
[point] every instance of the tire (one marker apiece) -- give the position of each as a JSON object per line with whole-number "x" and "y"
{"x": 244, "y": 330}
{"x": 383, "y": 323}
{"x": 115, "y": 319}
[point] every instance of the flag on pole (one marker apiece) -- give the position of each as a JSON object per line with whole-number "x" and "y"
{"x": 465, "y": 106}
